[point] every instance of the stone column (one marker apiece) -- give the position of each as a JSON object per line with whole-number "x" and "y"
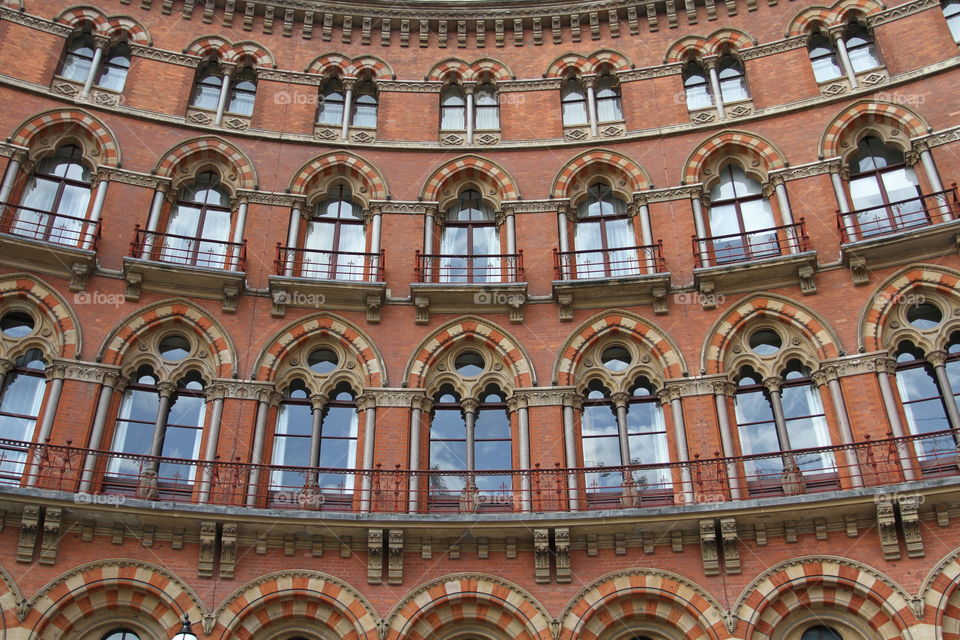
{"x": 711, "y": 65}
{"x": 376, "y": 221}
{"x": 670, "y": 395}
{"x": 266, "y": 398}
{"x": 111, "y": 382}
{"x": 293, "y": 236}
{"x": 54, "y": 375}
{"x": 469, "y": 407}
{"x": 786, "y": 214}
{"x": 347, "y": 108}
{"x": 88, "y": 237}
{"x": 723, "y": 390}
{"x": 571, "y": 402}
{"x": 938, "y": 359}
{"x": 224, "y": 93}
{"x": 165, "y": 390}
{"x": 428, "y": 222}
{"x": 886, "y": 368}
{"x": 469, "y": 89}
{"x": 213, "y": 394}
{"x": 828, "y": 376}
{"x": 701, "y": 229}
{"x": 367, "y": 403}
{"x": 10, "y": 176}
{"x": 845, "y": 58}
{"x": 517, "y": 403}
{"x": 420, "y": 405}
{"x": 926, "y": 158}
{"x": 153, "y": 220}
{"x": 100, "y": 46}
{"x": 237, "y": 249}
{"x": 317, "y": 405}
{"x": 591, "y": 106}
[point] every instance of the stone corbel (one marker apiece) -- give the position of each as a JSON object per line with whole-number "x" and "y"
{"x": 659, "y": 301}
{"x": 561, "y": 540}
{"x": 395, "y": 560}
{"x": 909, "y": 522}
{"x": 279, "y": 298}
{"x": 708, "y": 297}
{"x": 858, "y": 271}
{"x": 78, "y": 275}
{"x": 515, "y": 307}
{"x": 422, "y": 304}
{"x": 134, "y": 283}
{"x": 541, "y": 556}
{"x": 730, "y": 540}
{"x": 708, "y": 548}
{"x": 51, "y": 535}
{"x": 231, "y": 298}
{"x": 208, "y": 544}
{"x": 228, "y": 550}
{"x": 374, "y": 302}
{"x": 565, "y": 306}
{"x": 374, "y": 556}
{"x": 887, "y": 528}
{"x": 911, "y": 157}
{"x": 808, "y": 286}
{"x": 29, "y": 527}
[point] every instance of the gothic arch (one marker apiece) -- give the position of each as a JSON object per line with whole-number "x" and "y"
{"x": 471, "y": 166}
{"x": 206, "y": 149}
{"x": 131, "y": 585}
{"x": 23, "y": 287}
{"x": 561, "y": 65}
{"x": 58, "y": 123}
{"x": 760, "y": 154}
{"x": 938, "y": 590}
{"x": 513, "y": 356}
{"x": 867, "y": 113}
{"x": 602, "y": 160}
{"x": 644, "y": 594}
{"x": 668, "y": 357}
{"x": 684, "y": 47}
{"x": 82, "y": 16}
{"x": 183, "y": 313}
{"x": 443, "y": 70}
{"x": 774, "y": 309}
{"x": 840, "y": 583}
{"x": 303, "y": 330}
{"x": 227, "y": 51}
{"x": 317, "y": 596}
{"x": 459, "y": 598}
{"x": 371, "y": 183}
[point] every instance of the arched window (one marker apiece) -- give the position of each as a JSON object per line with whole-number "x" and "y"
{"x": 647, "y": 440}
{"x": 334, "y": 240}
{"x": 20, "y": 401}
{"x": 78, "y": 58}
{"x": 600, "y": 439}
{"x": 757, "y": 428}
{"x": 155, "y": 422}
{"x": 823, "y": 57}
{"x": 330, "y": 107}
{"x": 884, "y": 190}
{"x": 696, "y": 86}
{"x": 447, "y": 448}
{"x": 733, "y": 82}
{"x": 470, "y": 245}
{"x": 860, "y": 47}
{"x": 604, "y": 238}
{"x": 453, "y": 108}
{"x": 206, "y": 90}
{"x": 493, "y": 447}
{"x": 487, "y": 107}
{"x": 573, "y": 102}
{"x": 951, "y": 11}
{"x": 804, "y": 419}
{"x": 365, "y": 104}
{"x": 53, "y": 206}
{"x": 121, "y": 634}
{"x": 199, "y": 226}
{"x": 924, "y": 398}
{"x": 243, "y": 92}
{"x": 116, "y": 64}
{"x": 609, "y": 107}
{"x": 821, "y": 632}
{"x": 741, "y": 219}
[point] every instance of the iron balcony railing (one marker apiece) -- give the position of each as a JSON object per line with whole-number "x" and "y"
{"x": 45, "y": 226}
{"x": 620, "y": 262}
{"x": 108, "y": 477}
{"x": 319, "y": 264}
{"x": 498, "y": 268}
{"x": 188, "y": 250}
{"x": 902, "y": 215}
{"x": 751, "y": 245}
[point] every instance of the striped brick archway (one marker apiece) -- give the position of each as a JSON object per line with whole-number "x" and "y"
{"x": 227, "y": 51}
{"x": 10, "y": 597}
{"x": 469, "y": 72}
{"x": 668, "y": 355}
{"x": 771, "y": 307}
{"x": 174, "y": 312}
{"x": 941, "y": 595}
{"x": 634, "y": 177}
{"x": 513, "y": 357}
{"x": 311, "y": 596}
{"x": 758, "y": 149}
{"x": 647, "y": 595}
{"x": 349, "y": 335}
{"x": 341, "y": 163}
{"x": 864, "y": 114}
{"x": 23, "y": 286}
{"x": 123, "y": 586}
{"x": 59, "y": 122}
{"x": 210, "y": 148}
{"x": 336, "y": 64}
{"x": 832, "y": 16}
{"x": 840, "y": 584}
{"x": 452, "y": 600}
{"x": 79, "y": 17}
{"x": 471, "y": 166}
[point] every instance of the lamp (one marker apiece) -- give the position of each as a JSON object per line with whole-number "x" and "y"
{"x": 185, "y": 633}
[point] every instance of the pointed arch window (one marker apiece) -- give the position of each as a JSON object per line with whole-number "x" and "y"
{"x": 860, "y": 47}
{"x": 20, "y": 401}
{"x": 573, "y": 102}
{"x": 78, "y": 57}
{"x": 951, "y": 12}
{"x": 823, "y": 57}
{"x": 116, "y": 65}
{"x": 884, "y": 189}
{"x": 332, "y": 101}
{"x": 696, "y": 86}
{"x": 600, "y": 439}
{"x": 334, "y": 238}
{"x": 206, "y": 89}
{"x": 53, "y": 207}
{"x": 924, "y": 398}
{"x": 453, "y": 108}
{"x": 198, "y": 229}
{"x": 243, "y": 92}
{"x": 609, "y": 104}
{"x": 470, "y": 244}
{"x": 733, "y": 81}
{"x": 365, "y": 104}
{"x": 604, "y": 238}
{"x": 741, "y": 218}
{"x": 493, "y": 449}
{"x": 647, "y": 440}
{"x": 487, "y": 107}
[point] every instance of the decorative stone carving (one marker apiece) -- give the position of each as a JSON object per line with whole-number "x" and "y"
{"x": 659, "y": 301}
{"x": 422, "y": 304}
{"x": 561, "y": 540}
{"x": 148, "y": 488}
{"x": 730, "y": 540}
{"x": 708, "y": 548}
{"x": 820, "y": 528}
{"x": 577, "y": 134}
{"x": 374, "y": 556}
{"x": 760, "y": 534}
{"x": 859, "y": 271}
{"x": 790, "y": 531}
{"x": 910, "y": 524}
{"x": 808, "y": 286}
{"x": 541, "y": 555}
{"x": 850, "y": 523}
{"x": 228, "y": 550}
{"x": 791, "y": 478}
{"x": 451, "y": 139}
{"x": 470, "y": 496}
{"x": 565, "y": 306}
{"x": 395, "y": 560}
{"x": 208, "y": 543}
{"x": 887, "y": 528}
{"x": 134, "y": 282}
{"x": 51, "y": 535}
{"x": 147, "y": 533}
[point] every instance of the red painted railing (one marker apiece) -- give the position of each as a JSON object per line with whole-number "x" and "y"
{"x": 751, "y": 245}
{"x": 188, "y": 250}
{"x": 463, "y": 269}
{"x": 44, "y": 226}
{"x": 902, "y": 215}
{"x": 328, "y": 265}
{"x": 620, "y": 262}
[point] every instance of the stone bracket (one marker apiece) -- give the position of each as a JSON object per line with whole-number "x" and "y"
{"x": 208, "y": 545}
{"x": 858, "y": 271}
{"x": 374, "y": 302}
{"x": 541, "y": 556}
{"x": 51, "y": 535}
{"x": 708, "y": 548}
{"x": 561, "y": 543}
{"x": 808, "y": 286}
{"x": 422, "y": 304}
{"x": 395, "y": 558}
{"x": 231, "y": 297}
{"x": 730, "y": 540}
{"x": 910, "y": 525}
{"x": 565, "y": 305}
{"x": 134, "y": 285}
{"x": 228, "y": 550}
{"x": 708, "y": 296}
{"x": 374, "y": 556}
{"x": 887, "y": 528}
{"x": 29, "y": 527}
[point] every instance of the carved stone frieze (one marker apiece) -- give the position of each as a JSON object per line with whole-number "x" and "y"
{"x": 268, "y": 197}
{"x": 85, "y": 371}
{"x": 771, "y": 48}
{"x": 900, "y": 11}
{"x": 35, "y": 22}
{"x": 171, "y": 57}
{"x": 135, "y": 178}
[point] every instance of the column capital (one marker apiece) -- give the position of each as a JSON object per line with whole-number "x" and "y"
{"x": 166, "y": 389}
{"x": 825, "y": 374}
{"x": 215, "y": 392}
{"x": 724, "y": 388}
{"x": 572, "y": 399}
{"x": 318, "y": 402}
{"x": 366, "y": 401}
{"x": 773, "y": 384}
{"x": 469, "y": 405}
{"x": 620, "y": 399}
{"x": 884, "y": 364}
{"x": 101, "y": 42}
{"x": 424, "y": 403}
{"x": 937, "y": 358}
{"x": 6, "y": 366}
{"x": 518, "y": 401}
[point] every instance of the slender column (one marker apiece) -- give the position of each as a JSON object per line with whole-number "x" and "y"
{"x": 6, "y": 366}
{"x": 98, "y": 51}
{"x": 619, "y": 400}
{"x": 510, "y": 222}
{"x": 368, "y": 404}
{"x": 886, "y": 368}
{"x": 849, "y": 225}
{"x": 375, "y": 225}
{"x": 470, "y": 112}
{"x": 571, "y": 401}
{"x": 259, "y": 436}
{"x": 55, "y": 375}
{"x": 469, "y": 406}
{"x": 9, "y": 176}
{"x": 428, "y": 243}
{"x": 518, "y": 404}
{"x": 828, "y": 376}
{"x": 347, "y": 109}
{"x": 107, "y": 387}
{"x": 236, "y": 250}
{"x": 153, "y": 220}
{"x": 420, "y": 405}
{"x": 783, "y": 202}
{"x": 776, "y": 402}
{"x": 721, "y": 392}
{"x": 671, "y": 396}
{"x": 700, "y": 228}
{"x": 926, "y": 158}
{"x": 592, "y": 108}
{"x": 317, "y": 404}
{"x": 562, "y": 230}
{"x": 214, "y": 394}
{"x": 87, "y": 239}
{"x": 646, "y": 237}
{"x": 715, "y": 88}
{"x": 845, "y": 60}
{"x": 224, "y": 94}
{"x": 939, "y": 361}
{"x": 292, "y": 235}
{"x": 166, "y": 391}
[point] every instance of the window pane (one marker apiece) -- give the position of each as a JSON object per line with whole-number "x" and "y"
{"x": 826, "y": 67}
{"x": 863, "y": 55}
{"x": 241, "y": 101}
{"x": 365, "y": 111}
{"x": 291, "y": 445}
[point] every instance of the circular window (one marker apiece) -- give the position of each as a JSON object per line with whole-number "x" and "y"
{"x": 615, "y": 358}
{"x": 924, "y": 315}
{"x": 765, "y": 342}
{"x": 16, "y": 324}
{"x": 174, "y": 347}
{"x": 469, "y": 363}
{"x": 322, "y": 360}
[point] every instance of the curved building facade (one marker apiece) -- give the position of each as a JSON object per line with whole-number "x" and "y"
{"x": 479, "y": 320}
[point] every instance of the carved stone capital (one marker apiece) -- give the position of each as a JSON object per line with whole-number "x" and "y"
{"x": 518, "y": 401}
{"x": 469, "y": 405}
{"x": 620, "y": 399}
{"x": 724, "y": 388}
{"x": 318, "y": 402}
{"x": 215, "y": 392}
{"x": 166, "y": 389}
{"x": 773, "y": 384}
{"x": 825, "y": 374}
{"x": 937, "y": 358}
{"x": 366, "y": 401}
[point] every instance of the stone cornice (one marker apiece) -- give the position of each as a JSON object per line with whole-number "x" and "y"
{"x": 34, "y": 22}
{"x": 92, "y": 372}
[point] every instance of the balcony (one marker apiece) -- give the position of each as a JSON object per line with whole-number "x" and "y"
{"x": 448, "y": 283}
{"x": 175, "y": 264}
{"x": 313, "y": 278}
{"x": 922, "y": 227}
{"x": 793, "y": 477}
{"x": 52, "y": 243}
{"x": 764, "y": 258}
{"x": 610, "y": 278}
